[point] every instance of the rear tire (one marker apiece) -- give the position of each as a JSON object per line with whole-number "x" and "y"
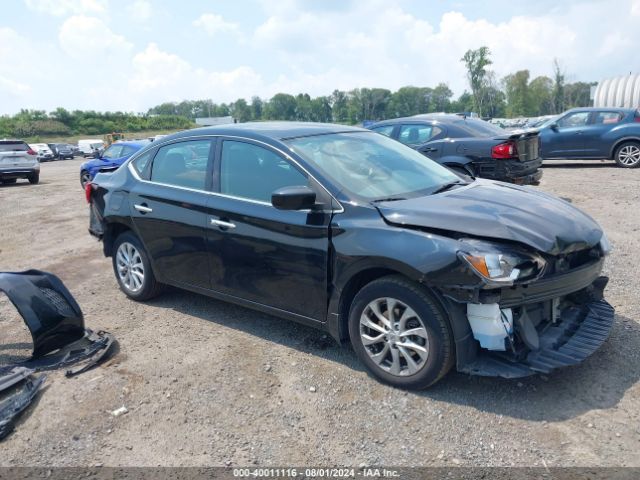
{"x": 628, "y": 155}
{"x": 400, "y": 333}
{"x": 132, "y": 268}
{"x": 34, "y": 178}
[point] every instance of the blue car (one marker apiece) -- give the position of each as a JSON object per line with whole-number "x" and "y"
{"x": 593, "y": 133}
{"x": 111, "y": 159}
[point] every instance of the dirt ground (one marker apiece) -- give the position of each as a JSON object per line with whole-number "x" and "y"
{"x": 208, "y": 383}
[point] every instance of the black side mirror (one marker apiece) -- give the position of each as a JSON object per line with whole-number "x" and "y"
{"x": 554, "y": 127}
{"x": 293, "y": 198}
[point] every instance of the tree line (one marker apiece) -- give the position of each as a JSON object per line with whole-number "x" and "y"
{"x": 515, "y": 95}
{"x": 61, "y": 122}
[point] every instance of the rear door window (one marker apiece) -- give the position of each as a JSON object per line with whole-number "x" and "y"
{"x": 607, "y": 117}
{"x": 417, "y": 134}
{"x": 182, "y": 164}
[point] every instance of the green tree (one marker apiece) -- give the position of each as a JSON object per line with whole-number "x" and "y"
{"x": 516, "y": 87}
{"x": 256, "y": 108}
{"x": 281, "y": 107}
{"x": 441, "y": 98}
{"x": 241, "y": 110}
{"x": 578, "y": 94}
{"x": 558, "y": 87}
{"x": 541, "y": 96}
{"x": 339, "y": 103}
{"x": 476, "y": 63}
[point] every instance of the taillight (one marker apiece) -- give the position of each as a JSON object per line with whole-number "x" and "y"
{"x": 637, "y": 119}
{"x": 504, "y": 150}
{"x": 31, "y": 151}
{"x": 87, "y": 191}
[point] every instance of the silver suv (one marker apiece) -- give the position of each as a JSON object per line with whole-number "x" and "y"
{"x": 18, "y": 160}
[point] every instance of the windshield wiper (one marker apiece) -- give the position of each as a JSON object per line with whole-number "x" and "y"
{"x": 447, "y": 186}
{"x": 390, "y": 199}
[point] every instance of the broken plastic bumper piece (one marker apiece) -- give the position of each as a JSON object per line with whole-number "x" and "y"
{"x": 55, "y": 322}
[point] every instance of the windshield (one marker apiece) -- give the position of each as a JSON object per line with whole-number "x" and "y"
{"x": 372, "y": 166}
{"x": 548, "y": 122}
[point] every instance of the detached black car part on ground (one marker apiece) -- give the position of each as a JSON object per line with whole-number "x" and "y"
{"x": 354, "y": 233}
{"x": 60, "y": 338}
{"x": 470, "y": 146}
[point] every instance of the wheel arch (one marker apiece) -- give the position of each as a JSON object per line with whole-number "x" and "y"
{"x": 111, "y": 231}
{"x": 619, "y": 142}
{"x": 353, "y": 281}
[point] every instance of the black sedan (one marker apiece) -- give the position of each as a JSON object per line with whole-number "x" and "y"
{"x": 469, "y": 146}
{"x": 356, "y": 234}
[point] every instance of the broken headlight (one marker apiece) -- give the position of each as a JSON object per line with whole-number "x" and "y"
{"x": 501, "y": 266}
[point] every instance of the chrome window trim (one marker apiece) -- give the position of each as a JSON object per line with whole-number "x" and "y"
{"x": 134, "y": 172}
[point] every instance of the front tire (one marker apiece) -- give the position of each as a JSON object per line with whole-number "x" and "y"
{"x": 628, "y": 155}
{"x": 132, "y": 268}
{"x": 400, "y": 333}
{"x": 85, "y": 177}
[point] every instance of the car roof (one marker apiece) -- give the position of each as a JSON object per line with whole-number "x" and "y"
{"x": 427, "y": 117}
{"x": 271, "y": 130}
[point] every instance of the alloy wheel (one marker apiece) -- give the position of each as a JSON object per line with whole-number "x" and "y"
{"x": 629, "y": 155}
{"x": 394, "y": 336}
{"x": 130, "y": 267}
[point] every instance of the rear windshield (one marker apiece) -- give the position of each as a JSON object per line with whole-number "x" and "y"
{"x": 478, "y": 128}
{"x": 13, "y": 147}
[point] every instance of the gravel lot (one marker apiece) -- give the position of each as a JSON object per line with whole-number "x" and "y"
{"x": 208, "y": 383}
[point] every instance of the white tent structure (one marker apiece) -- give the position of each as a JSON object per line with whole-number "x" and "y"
{"x": 621, "y": 92}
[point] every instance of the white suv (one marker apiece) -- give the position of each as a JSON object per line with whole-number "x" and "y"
{"x": 18, "y": 160}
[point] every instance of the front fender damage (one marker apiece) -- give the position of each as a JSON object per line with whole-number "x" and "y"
{"x": 60, "y": 339}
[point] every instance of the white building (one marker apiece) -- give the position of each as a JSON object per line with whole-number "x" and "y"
{"x": 622, "y": 92}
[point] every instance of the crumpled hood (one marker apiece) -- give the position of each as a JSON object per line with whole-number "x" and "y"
{"x": 501, "y": 211}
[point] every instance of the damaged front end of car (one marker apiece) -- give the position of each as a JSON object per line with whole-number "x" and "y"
{"x": 532, "y": 312}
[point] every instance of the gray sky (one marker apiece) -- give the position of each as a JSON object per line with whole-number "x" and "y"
{"x": 131, "y": 55}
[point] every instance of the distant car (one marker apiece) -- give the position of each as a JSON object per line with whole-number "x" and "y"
{"x": 88, "y": 146}
{"x": 18, "y": 160}
{"x": 61, "y": 151}
{"x": 111, "y": 159}
{"x": 594, "y": 133}
{"x": 469, "y": 146}
{"x": 43, "y": 152}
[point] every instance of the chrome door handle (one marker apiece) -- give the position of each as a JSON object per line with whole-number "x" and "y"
{"x": 222, "y": 223}
{"x": 143, "y": 208}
